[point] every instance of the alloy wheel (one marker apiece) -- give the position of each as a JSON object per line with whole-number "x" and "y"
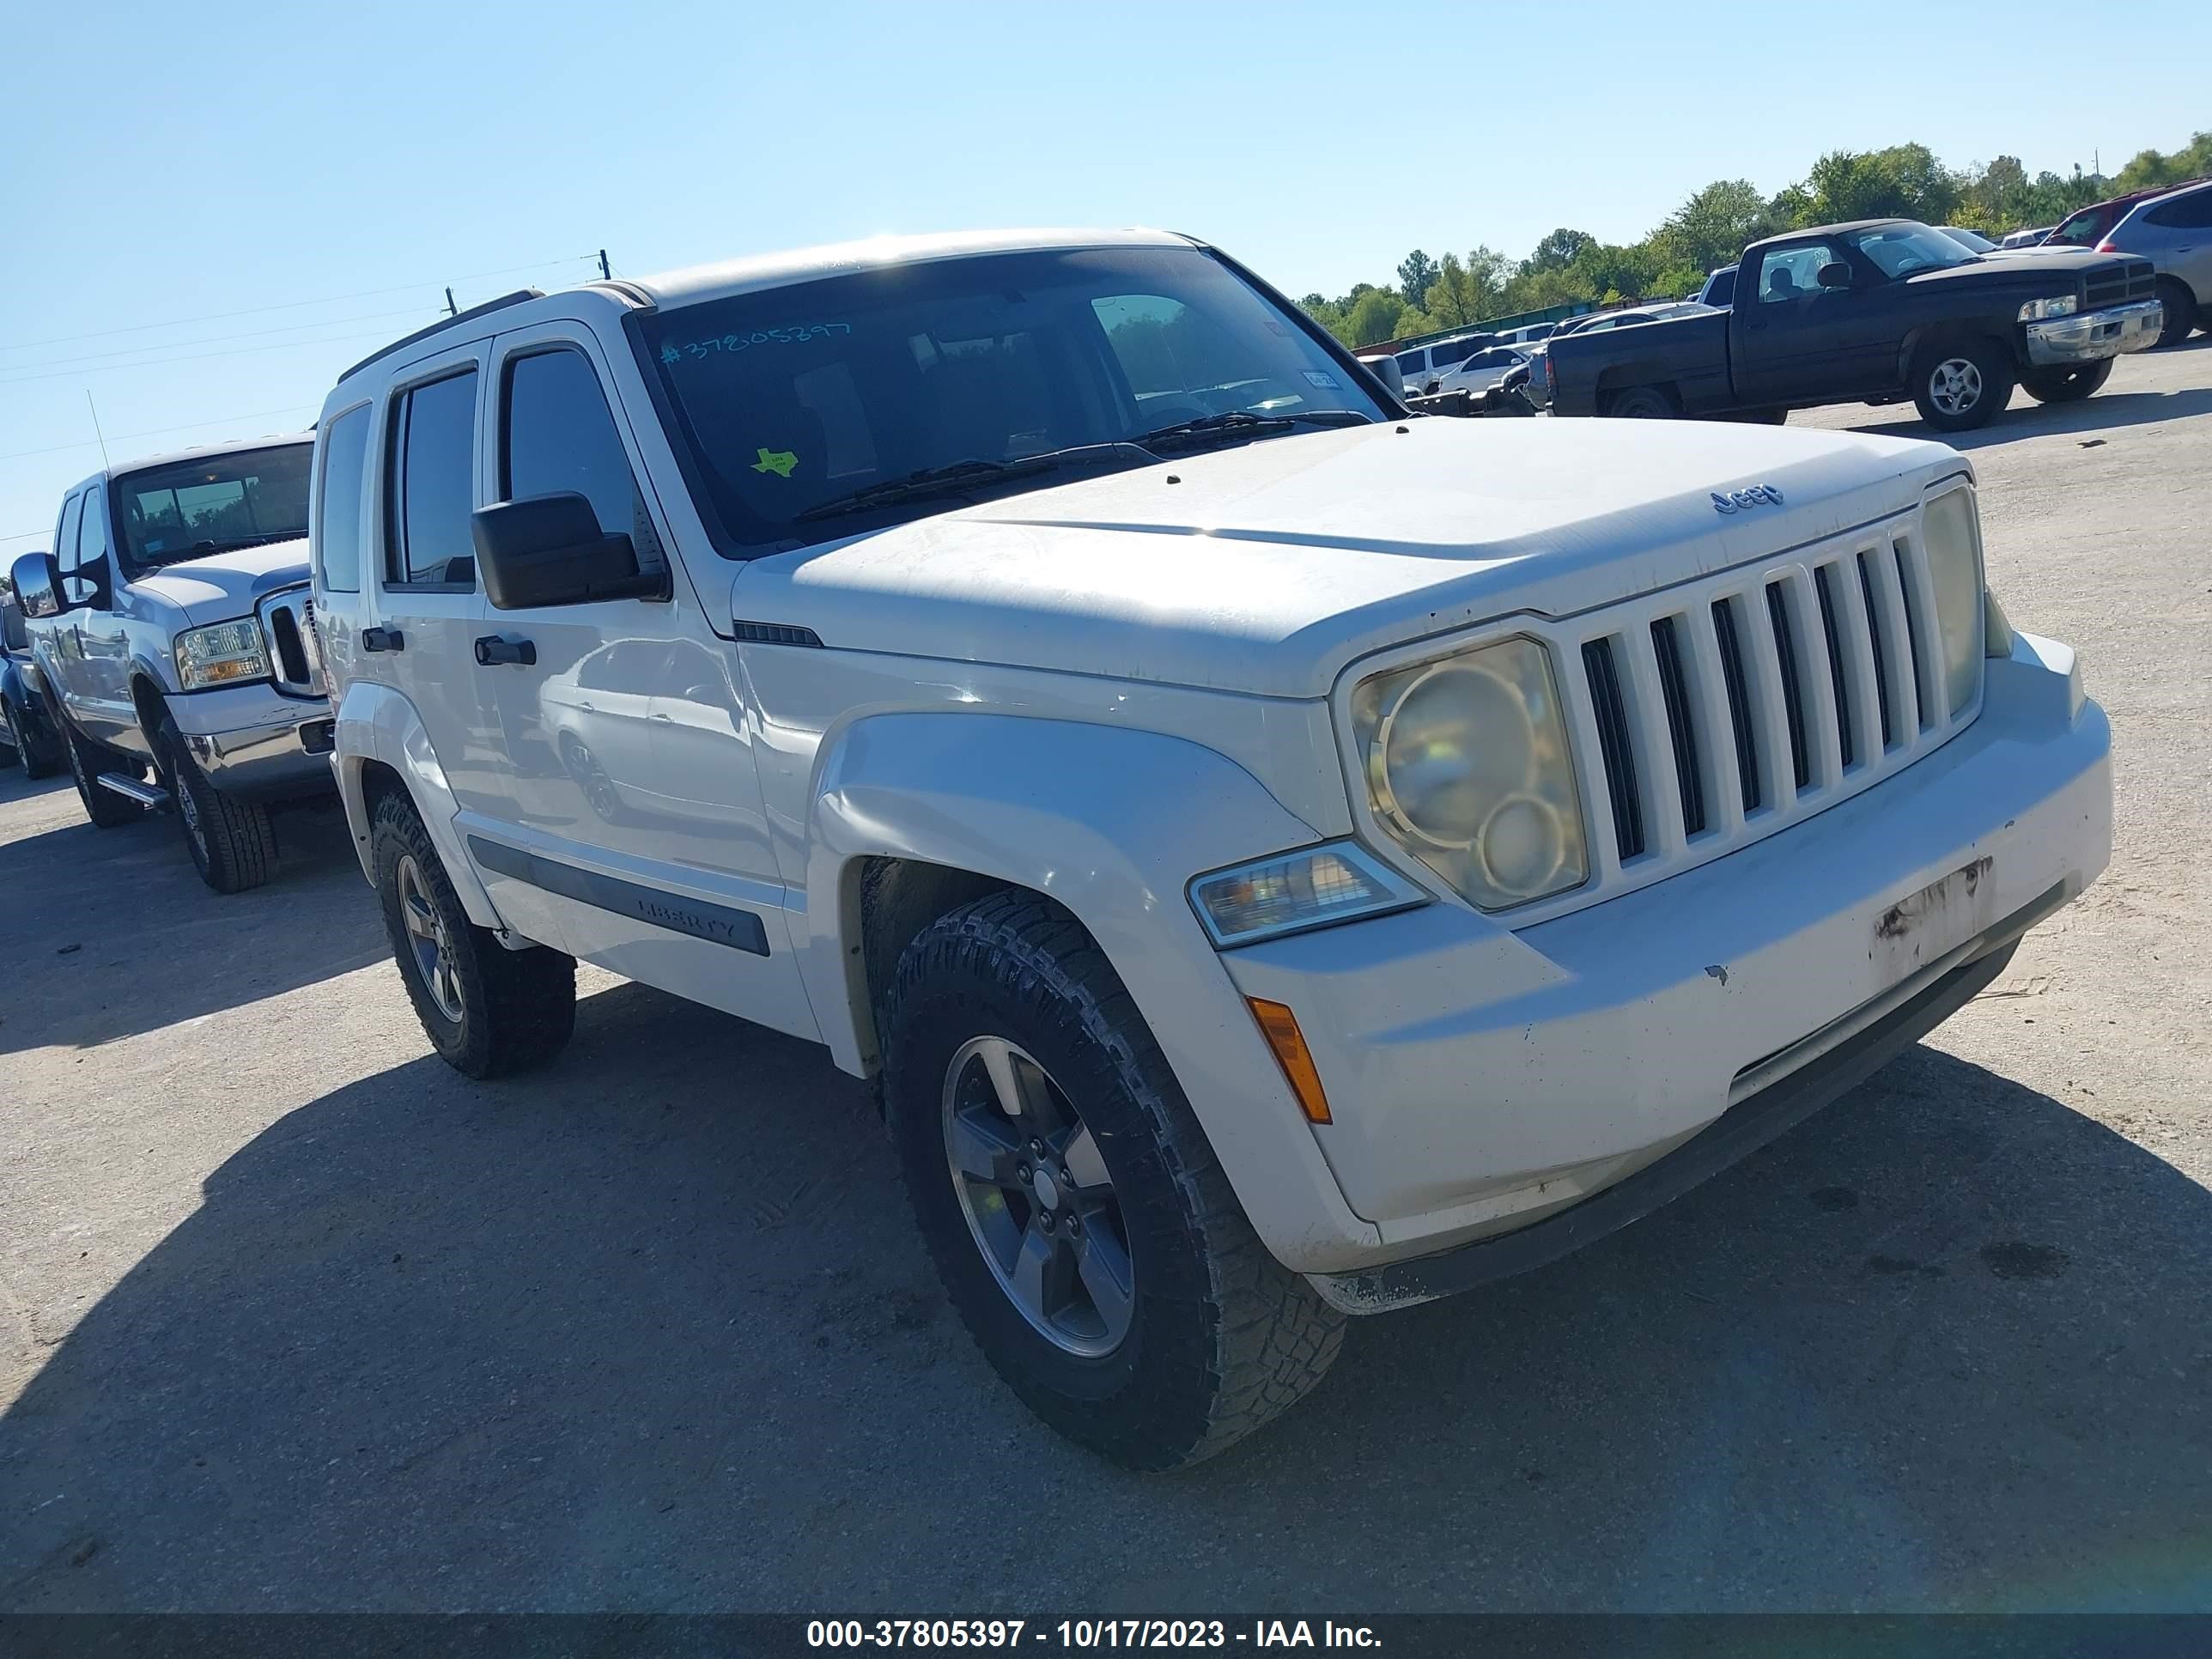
{"x": 1037, "y": 1197}
{"x": 1955, "y": 387}
{"x": 427, "y": 939}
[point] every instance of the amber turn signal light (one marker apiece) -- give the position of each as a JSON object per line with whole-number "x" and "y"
{"x": 1280, "y": 1027}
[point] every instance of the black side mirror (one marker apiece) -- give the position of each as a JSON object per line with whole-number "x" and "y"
{"x": 550, "y": 549}
{"x": 38, "y": 581}
{"x": 1834, "y": 274}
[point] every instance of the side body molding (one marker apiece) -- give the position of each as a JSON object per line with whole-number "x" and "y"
{"x": 375, "y": 722}
{"x": 1112, "y": 823}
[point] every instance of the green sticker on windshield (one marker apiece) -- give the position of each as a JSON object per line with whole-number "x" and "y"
{"x": 778, "y": 461}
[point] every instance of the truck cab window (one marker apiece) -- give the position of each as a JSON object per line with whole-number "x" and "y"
{"x": 1791, "y": 273}
{"x": 559, "y": 437}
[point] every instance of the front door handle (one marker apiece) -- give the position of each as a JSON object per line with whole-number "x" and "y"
{"x": 495, "y": 648}
{"x": 383, "y": 639}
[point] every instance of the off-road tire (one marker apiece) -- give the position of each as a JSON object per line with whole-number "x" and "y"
{"x": 232, "y": 842}
{"x": 2066, "y": 385}
{"x": 1223, "y": 1339}
{"x": 1642, "y": 403}
{"x": 106, "y": 808}
{"x": 1991, "y": 361}
{"x": 518, "y": 1008}
{"x": 2180, "y": 311}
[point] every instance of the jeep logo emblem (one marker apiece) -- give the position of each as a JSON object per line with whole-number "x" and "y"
{"x": 1743, "y": 500}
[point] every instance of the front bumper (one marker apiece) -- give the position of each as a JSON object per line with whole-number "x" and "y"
{"x": 2095, "y": 335}
{"x": 1484, "y": 1080}
{"x": 256, "y": 743}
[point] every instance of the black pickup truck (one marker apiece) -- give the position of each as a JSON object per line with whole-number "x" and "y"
{"x": 1873, "y": 312}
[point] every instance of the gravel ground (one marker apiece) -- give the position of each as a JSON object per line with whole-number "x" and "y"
{"x": 292, "y": 1316}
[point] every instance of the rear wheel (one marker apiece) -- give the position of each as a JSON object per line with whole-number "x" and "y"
{"x": 106, "y": 808}
{"x": 2180, "y": 311}
{"x": 1075, "y": 1211}
{"x": 39, "y": 759}
{"x": 232, "y": 842}
{"x": 1642, "y": 403}
{"x": 2065, "y": 385}
{"x": 487, "y": 1010}
{"x": 1961, "y": 385}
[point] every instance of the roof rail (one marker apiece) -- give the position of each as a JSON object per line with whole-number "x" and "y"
{"x": 443, "y": 324}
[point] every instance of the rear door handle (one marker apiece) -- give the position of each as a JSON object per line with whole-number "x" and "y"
{"x": 383, "y": 639}
{"x": 494, "y": 648}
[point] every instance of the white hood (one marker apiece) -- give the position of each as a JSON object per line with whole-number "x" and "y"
{"x": 1266, "y": 570}
{"x": 224, "y": 586}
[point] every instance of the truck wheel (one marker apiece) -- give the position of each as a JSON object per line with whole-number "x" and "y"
{"x": 232, "y": 842}
{"x": 2180, "y": 311}
{"x": 11, "y": 746}
{"x": 2065, "y": 385}
{"x": 1076, "y": 1213}
{"x": 106, "y": 808}
{"x": 1642, "y": 403}
{"x": 487, "y": 1010}
{"x": 37, "y": 762}
{"x": 1960, "y": 387}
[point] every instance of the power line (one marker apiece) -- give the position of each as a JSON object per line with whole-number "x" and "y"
{"x": 209, "y": 340}
{"x": 159, "y": 431}
{"x": 289, "y": 305}
{"x": 200, "y": 357}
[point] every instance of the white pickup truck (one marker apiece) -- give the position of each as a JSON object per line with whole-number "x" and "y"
{"x": 1280, "y": 858}
{"x": 169, "y": 628}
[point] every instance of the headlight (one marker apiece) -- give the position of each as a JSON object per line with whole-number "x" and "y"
{"x": 2042, "y": 311}
{"x": 1954, "y": 563}
{"x": 1295, "y": 892}
{"x": 221, "y": 655}
{"x": 1468, "y": 770}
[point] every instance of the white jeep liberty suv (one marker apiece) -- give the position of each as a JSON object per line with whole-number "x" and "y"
{"x": 1281, "y": 858}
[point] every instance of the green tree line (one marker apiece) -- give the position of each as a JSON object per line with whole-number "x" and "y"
{"x": 1713, "y": 226}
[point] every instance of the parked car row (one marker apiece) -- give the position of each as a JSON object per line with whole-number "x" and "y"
{"x": 1271, "y": 852}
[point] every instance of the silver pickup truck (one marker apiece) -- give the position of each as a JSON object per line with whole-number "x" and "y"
{"x": 169, "y": 628}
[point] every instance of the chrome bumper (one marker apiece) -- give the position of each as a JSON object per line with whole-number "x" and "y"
{"x": 252, "y": 741}
{"x": 2096, "y": 335}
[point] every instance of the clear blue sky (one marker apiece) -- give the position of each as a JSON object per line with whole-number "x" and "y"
{"x": 162, "y": 163}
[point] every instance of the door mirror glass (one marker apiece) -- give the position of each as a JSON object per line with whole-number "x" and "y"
{"x": 1834, "y": 274}
{"x": 550, "y": 549}
{"x": 39, "y": 586}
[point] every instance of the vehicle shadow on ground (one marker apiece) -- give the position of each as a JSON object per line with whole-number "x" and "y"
{"x": 652, "y": 1329}
{"x": 2108, "y": 411}
{"x": 98, "y": 921}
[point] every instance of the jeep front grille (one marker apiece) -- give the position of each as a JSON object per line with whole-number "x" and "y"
{"x": 1710, "y": 715}
{"x": 294, "y": 657}
{"x": 2117, "y": 283}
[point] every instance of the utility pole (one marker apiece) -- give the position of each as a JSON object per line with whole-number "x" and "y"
{"x": 607, "y": 273}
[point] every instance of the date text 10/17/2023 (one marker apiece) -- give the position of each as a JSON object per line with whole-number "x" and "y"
{"x": 1085, "y": 1634}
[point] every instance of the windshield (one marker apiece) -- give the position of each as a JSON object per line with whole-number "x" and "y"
{"x": 795, "y": 399}
{"x": 1901, "y": 250}
{"x": 189, "y": 510}
{"x": 1973, "y": 240}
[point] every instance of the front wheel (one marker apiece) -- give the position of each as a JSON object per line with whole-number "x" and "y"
{"x": 487, "y": 1010}
{"x": 2065, "y": 385}
{"x": 2180, "y": 311}
{"x": 1075, "y": 1211}
{"x": 232, "y": 842}
{"x": 1958, "y": 387}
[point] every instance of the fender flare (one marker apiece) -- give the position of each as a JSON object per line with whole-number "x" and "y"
{"x": 375, "y": 722}
{"x": 1978, "y": 328}
{"x": 1113, "y": 824}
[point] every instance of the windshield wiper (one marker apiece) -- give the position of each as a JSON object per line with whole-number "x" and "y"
{"x": 974, "y": 472}
{"x": 1243, "y": 423}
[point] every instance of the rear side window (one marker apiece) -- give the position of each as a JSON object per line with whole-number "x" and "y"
{"x": 2189, "y": 212}
{"x": 337, "y": 514}
{"x": 429, "y": 541}
{"x": 65, "y": 534}
{"x": 560, "y": 438}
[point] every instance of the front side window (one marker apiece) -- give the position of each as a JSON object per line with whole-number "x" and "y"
{"x": 65, "y": 534}
{"x": 338, "y": 523}
{"x": 794, "y": 401}
{"x": 92, "y": 537}
{"x": 189, "y": 510}
{"x": 432, "y": 542}
{"x": 1791, "y": 273}
{"x": 559, "y": 438}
